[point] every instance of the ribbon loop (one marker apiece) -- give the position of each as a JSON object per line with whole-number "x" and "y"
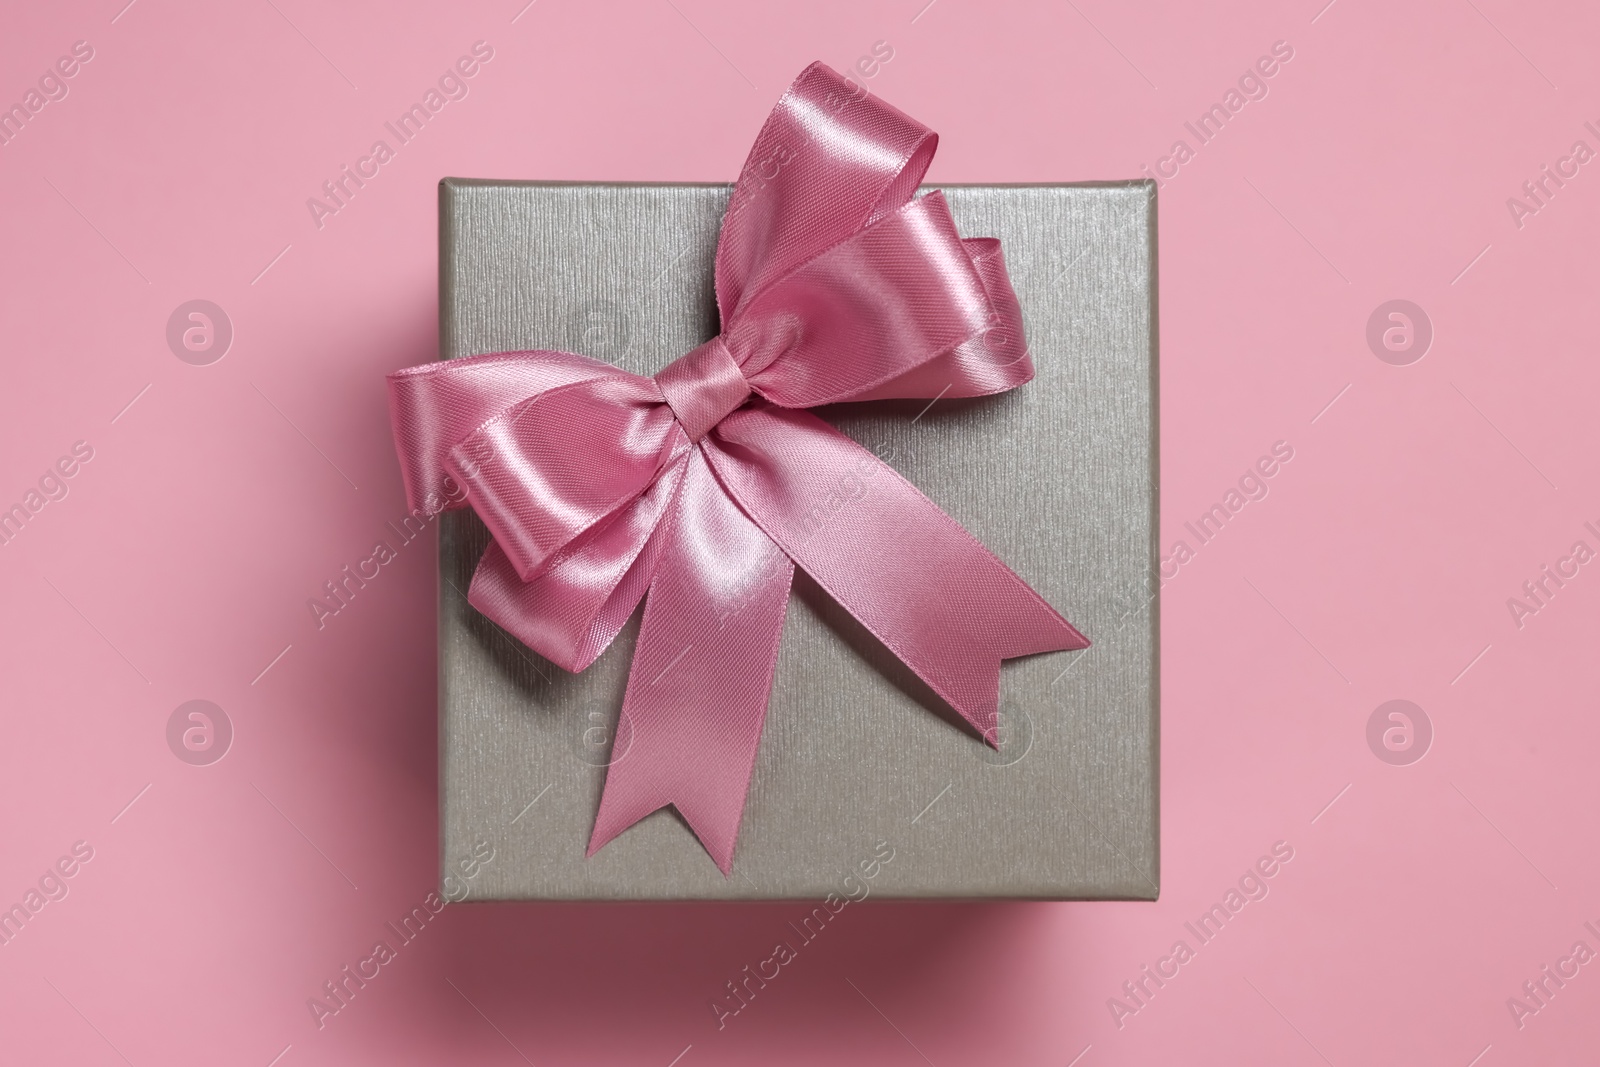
{"x": 434, "y": 406}
{"x": 602, "y": 488}
{"x": 548, "y": 469}
{"x": 883, "y": 302}
{"x": 830, "y": 159}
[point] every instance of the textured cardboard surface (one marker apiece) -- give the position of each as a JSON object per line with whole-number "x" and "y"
{"x": 1056, "y": 478}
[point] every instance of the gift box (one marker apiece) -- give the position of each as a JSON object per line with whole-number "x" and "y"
{"x": 865, "y": 782}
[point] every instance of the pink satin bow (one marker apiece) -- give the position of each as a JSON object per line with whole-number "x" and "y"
{"x": 702, "y": 487}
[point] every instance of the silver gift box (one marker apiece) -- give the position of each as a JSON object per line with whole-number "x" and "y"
{"x": 858, "y": 759}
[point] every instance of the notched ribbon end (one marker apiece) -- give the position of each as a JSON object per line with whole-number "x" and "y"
{"x": 718, "y": 844}
{"x": 1062, "y": 636}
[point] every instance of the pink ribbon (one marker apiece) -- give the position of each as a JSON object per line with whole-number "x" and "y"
{"x": 700, "y": 489}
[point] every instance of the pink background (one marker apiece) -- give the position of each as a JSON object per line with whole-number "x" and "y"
{"x": 1379, "y": 567}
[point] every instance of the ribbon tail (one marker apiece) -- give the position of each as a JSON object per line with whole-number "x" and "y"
{"x": 702, "y": 671}
{"x": 911, "y": 574}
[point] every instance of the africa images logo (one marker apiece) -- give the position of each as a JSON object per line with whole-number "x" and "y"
{"x": 52, "y": 88}
{"x": 53, "y": 485}
{"x": 1252, "y": 886}
{"x": 452, "y": 85}
{"x": 1252, "y": 85}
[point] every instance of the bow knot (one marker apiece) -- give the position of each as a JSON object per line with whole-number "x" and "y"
{"x": 703, "y": 386}
{"x": 833, "y": 284}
